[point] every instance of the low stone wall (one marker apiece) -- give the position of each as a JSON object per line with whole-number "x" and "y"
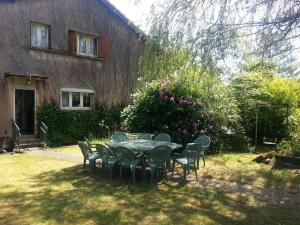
{"x": 286, "y": 162}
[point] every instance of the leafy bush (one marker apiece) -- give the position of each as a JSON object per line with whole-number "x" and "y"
{"x": 291, "y": 144}
{"x": 261, "y": 87}
{"x": 178, "y": 108}
{"x": 67, "y": 127}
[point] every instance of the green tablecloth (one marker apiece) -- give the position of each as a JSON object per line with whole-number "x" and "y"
{"x": 141, "y": 145}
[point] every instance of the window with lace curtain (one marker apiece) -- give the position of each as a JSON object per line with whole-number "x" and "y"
{"x": 39, "y": 35}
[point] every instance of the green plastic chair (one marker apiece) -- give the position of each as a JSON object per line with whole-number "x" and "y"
{"x": 145, "y": 136}
{"x": 163, "y": 137}
{"x": 108, "y": 158}
{"x": 119, "y": 136}
{"x": 191, "y": 156}
{"x": 127, "y": 159}
{"x": 158, "y": 158}
{"x": 204, "y": 141}
{"x": 88, "y": 142}
{"x": 88, "y": 155}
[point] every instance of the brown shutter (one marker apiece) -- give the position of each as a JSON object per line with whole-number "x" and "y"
{"x": 72, "y": 42}
{"x": 103, "y": 47}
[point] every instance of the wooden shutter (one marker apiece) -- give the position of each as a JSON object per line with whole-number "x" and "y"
{"x": 72, "y": 45}
{"x": 103, "y": 47}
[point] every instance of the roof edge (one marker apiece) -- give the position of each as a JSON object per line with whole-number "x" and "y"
{"x": 121, "y": 16}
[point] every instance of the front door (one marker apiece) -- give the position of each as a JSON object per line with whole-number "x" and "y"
{"x": 24, "y": 110}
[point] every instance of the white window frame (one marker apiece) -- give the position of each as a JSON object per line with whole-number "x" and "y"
{"x": 33, "y": 24}
{"x": 81, "y": 91}
{"x": 88, "y": 44}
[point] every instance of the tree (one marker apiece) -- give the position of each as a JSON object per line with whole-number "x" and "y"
{"x": 215, "y": 29}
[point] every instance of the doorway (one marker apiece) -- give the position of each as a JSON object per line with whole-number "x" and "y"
{"x": 25, "y": 110}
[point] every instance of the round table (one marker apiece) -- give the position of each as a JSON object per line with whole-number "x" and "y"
{"x": 141, "y": 145}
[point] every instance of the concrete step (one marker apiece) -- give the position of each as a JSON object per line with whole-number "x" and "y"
{"x": 29, "y": 145}
{"x": 28, "y": 141}
{"x": 23, "y": 137}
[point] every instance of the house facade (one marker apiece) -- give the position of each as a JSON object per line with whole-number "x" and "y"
{"x": 77, "y": 54}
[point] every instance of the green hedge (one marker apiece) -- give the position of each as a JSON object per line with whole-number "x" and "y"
{"x": 68, "y": 127}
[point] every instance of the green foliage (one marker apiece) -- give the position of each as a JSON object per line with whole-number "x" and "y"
{"x": 68, "y": 127}
{"x": 260, "y": 87}
{"x": 291, "y": 145}
{"x": 161, "y": 60}
{"x": 181, "y": 108}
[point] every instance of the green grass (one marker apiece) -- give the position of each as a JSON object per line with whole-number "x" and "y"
{"x": 39, "y": 190}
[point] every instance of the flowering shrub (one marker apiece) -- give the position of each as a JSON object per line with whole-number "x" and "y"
{"x": 171, "y": 107}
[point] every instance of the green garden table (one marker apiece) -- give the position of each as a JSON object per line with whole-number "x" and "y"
{"x": 141, "y": 145}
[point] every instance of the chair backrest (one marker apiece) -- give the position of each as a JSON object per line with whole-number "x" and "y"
{"x": 119, "y": 136}
{"x": 88, "y": 142}
{"x": 192, "y": 151}
{"x": 104, "y": 152}
{"x": 84, "y": 149}
{"x": 124, "y": 155}
{"x": 160, "y": 154}
{"x": 203, "y": 140}
{"x": 145, "y": 136}
{"x": 163, "y": 137}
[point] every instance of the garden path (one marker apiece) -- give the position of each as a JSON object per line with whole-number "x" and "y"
{"x": 58, "y": 155}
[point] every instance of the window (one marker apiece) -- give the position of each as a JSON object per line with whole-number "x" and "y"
{"x": 87, "y": 45}
{"x": 39, "y": 35}
{"x": 80, "y": 99}
{"x": 65, "y": 99}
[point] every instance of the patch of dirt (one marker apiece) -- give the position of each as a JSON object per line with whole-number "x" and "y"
{"x": 272, "y": 195}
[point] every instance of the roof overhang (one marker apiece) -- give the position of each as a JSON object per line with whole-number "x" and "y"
{"x": 116, "y": 12}
{"x": 26, "y": 75}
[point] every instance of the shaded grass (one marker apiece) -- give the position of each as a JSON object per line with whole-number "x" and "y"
{"x": 40, "y": 190}
{"x": 242, "y": 169}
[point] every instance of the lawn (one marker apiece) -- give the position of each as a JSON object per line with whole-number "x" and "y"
{"x": 231, "y": 190}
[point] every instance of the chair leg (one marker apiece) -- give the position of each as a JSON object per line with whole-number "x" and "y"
{"x": 152, "y": 174}
{"x": 203, "y": 160}
{"x": 184, "y": 172}
{"x": 133, "y": 174}
{"x": 198, "y": 159}
{"x": 120, "y": 172}
{"x": 165, "y": 172}
{"x": 173, "y": 167}
{"x": 168, "y": 163}
{"x": 195, "y": 168}
{"x": 84, "y": 162}
{"x": 110, "y": 170}
{"x": 91, "y": 165}
{"x": 144, "y": 169}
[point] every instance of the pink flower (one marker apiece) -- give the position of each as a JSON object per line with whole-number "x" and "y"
{"x": 161, "y": 94}
{"x": 184, "y": 131}
{"x": 195, "y": 125}
{"x": 202, "y": 132}
{"x": 172, "y": 99}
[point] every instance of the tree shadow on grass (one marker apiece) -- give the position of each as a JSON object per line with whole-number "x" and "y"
{"x": 74, "y": 196}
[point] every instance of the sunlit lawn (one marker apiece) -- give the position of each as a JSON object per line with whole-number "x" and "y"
{"x": 41, "y": 190}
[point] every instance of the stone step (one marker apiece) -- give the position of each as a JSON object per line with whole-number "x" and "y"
{"x": 24, "y": 137}
{"x": 29, "y": 141}
{"x": 29, "y": 145}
